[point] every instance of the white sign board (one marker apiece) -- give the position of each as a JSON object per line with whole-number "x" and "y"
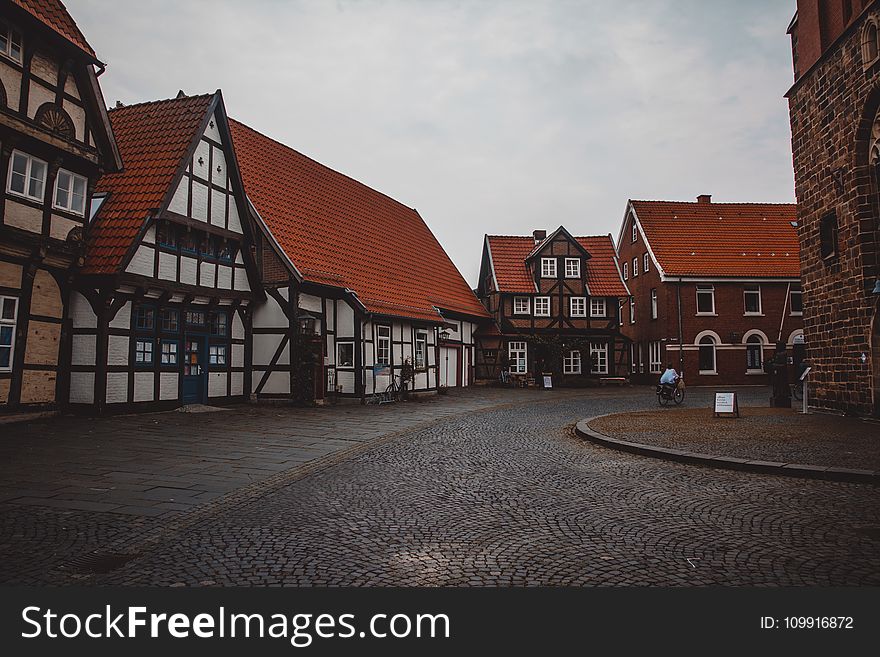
{"x": 806, "y": 372}
{"x": 725, "y": 402}
{"x": 548, "y": 381}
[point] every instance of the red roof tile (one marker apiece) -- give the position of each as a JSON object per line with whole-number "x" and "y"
{"x": 509, "y": 253}
{"x": 55, "y": 16}
{"x": 722, "y": 239}
{"x": 340, "y": 232}
{"x": 152, "y": 138}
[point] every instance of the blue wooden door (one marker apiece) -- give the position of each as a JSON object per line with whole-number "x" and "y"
{"x": 195, "y": 374}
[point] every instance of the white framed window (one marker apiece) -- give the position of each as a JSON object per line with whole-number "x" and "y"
{"x": 217, "y": 354}
{"x": 635, "y": 267}
{"x": 572, "y": 267}
{"x": 752, "y": 299}
{"x": 548, "y": 267}
{"x": 143, "y": 351}
{"x": 168, "y": 355}
{"x": 625, "y": 271}
{"x": 10, "y": 42}
{"x": 654, "y": 349}
{"x": 598, "y": 307}
{"x": 70, "y": 192}
{"x": 599, "y": 357}
{"x": 571, "y": 362}
{"x": 653, "y": 303}
{"x": 8, "y": 318}
{"x": 421, "y": 360}
{"x": 542, "y": 306}
{"x": 707, "y": 354}
{"x": 632, "y": 310}
{"x": 383, "y": 345}
{"x": 521, "y": 306}
{"x": 27, "y": 176}
{"x": 517, "y": 354}
{"x": 754, "y": 354}
{"x": 796, "y": 301}
{"x": 345, "y": 354}
{"x": 578, "y": 307}
{"x": 635, "y": 232}
{"x": 633, "y": 359}
{"x": 705, "y": 299}
{"x": 646, "y": 264}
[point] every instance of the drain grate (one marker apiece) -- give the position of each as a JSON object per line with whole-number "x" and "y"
{"x": 98, "y": 562}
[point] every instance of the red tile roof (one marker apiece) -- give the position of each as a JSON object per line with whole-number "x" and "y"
{"x": 509, "y": 253}
{"x": 153, "y": 138}
{"x": 340, "y": 232}
{"x": 722, "y": 239}
{"x": 54, "y": 15}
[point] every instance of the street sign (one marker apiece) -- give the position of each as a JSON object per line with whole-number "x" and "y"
{"x": 806, "y": 372}
{"x": 726, "y": 404}
{"x": 548, "y": 381}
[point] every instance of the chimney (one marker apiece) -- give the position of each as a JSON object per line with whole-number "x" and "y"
{"x": 539, "y": 235}
{"x": 704, "y": 198}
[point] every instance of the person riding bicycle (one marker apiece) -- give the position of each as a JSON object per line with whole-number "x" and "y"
{"x": 669, "y": 378}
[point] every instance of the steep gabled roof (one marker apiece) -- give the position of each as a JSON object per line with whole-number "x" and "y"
{"x": 510, "y": 252}
{"x": 721, "y": 240}
{"x": 339, "y": 232}
{"x": 54, "y": 15}
{"x": 153, "y": 139}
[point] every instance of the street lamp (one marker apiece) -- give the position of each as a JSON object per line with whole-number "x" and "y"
{"x": 306, "y": 323}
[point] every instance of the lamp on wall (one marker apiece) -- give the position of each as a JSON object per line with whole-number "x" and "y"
{"x": 306, "y": 323}
{"x": 444, "y": 335}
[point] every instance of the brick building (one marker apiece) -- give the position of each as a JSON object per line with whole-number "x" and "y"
{"x": 713, "y": 287}
{"x": 555, "y": 300}
{"x": 835, "y": 123}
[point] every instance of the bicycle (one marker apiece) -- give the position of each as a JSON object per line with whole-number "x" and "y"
{"x": 391, "y": 392}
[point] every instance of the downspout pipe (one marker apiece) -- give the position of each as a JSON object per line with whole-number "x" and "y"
{"x": 680, "y": 331}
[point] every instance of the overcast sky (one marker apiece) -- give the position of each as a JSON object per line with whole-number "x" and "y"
{"x": 488, "y": 117}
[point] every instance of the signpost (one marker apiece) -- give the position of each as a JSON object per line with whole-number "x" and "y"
{"x": 726, "y": 404}
{"x": 804, "y": 384}
{"x": 548, "y": 381}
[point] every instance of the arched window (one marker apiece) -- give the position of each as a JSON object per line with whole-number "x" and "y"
{"x": 754, "y": 353}
{"x": 52, "y": 117}
{"x": 707, "y": 354}
{"x": 870, "y": 49}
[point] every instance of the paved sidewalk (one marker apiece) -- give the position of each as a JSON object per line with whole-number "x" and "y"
{"x": 167, "y": 463}
{"x": 762, "y": 434}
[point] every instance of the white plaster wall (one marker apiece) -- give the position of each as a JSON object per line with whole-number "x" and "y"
{"x": 234, "y": 219}
{"x": 117, "y": 387}
{"x": 123, "y": 317}
{"x": 60, "y": 227}
{"x": 270, "y": 315}
{"x": 265, "y": 347}
{"x": 199, "y": 201}
{"x": 237, "y": 326}
{"x": 83, "y": 350}
{"x": 188, "y": 270}
{"x": 218, "y": 208}
{"x": 206, "y": 274}
{"x": 167, "y": 266}
{"x": 218, "y": 177}
{"x": 224, "y": 277}
{"x": 143, "y": 386}
{"x": 78, "y": 116}
{"x": 117, "y": 350}
{"x": 277, "y": 383}
{"x": 81, "y": 312}
{"x": 238, "y": 355}
{"x": 149, "y": 235}
{"x": 217, "y": 384}
{"x": 38, "y": 95}
{"x": 344, "y": 320}
{"x": 202, "y": 152}
{"x": 240, "y": 279}
{"x": 310, "y": 302}
{"x": 237, "y": 383}
{"x": 82, "y": 387}
{"x": 213, "y": 133}
{"x": 168, "y": 385}
{"x": 142, "y": 261}
{"x": 12, "y": 81}
{"x": 178, "y": 201}
{"x": 23, "y": 216}
{"x": 346, "y": 380}
{"x": 70, "y": 87}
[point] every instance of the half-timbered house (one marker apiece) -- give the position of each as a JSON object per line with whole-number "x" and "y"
{"x": 55, "y": 140}
{"x": 555, "y": 300}
{"x": 352, "y": 275}
{"x": 161, "y": 311}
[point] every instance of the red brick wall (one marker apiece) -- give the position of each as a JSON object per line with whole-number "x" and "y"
{"x": 820, "y": 23}
{"x": 832, "y": 110}
{"x": 274, "y": 270}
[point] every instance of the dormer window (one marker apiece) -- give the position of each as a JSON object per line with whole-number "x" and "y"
{"x": 548, "y": 267}
{"x": 10, "y": 42}
{"x": 635, "y": 232}
{"x": 521, "y": 305}
{"x": 572, "y": 267}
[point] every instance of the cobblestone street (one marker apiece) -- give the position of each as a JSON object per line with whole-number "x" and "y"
{"x": 485, "y": 487}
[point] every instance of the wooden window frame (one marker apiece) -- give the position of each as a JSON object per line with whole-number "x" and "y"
{"x": 575, "y": 270}
{"x": 599, "y": 365}
{"x": 344, "y": 343}
{"x": 748, "y": 290}
{"x": 593, "y": 310}
{"x": 542, "y": 301}
{"x": 549, "y": 268}
{"x": 571, "y": 305}
{"x": 74, "y": 177}
{"x": 571, "y": 362}
{"x": 514, "y": 363}
{"x": 382, "y": 343}
{"x": 13, "y": 325}
{"x": 528, "y": 306}
{"x": 710, "y": 290}
{"x": 27, "y": 177}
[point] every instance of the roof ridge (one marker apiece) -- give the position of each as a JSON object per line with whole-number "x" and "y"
{"x": 577, "y": 237}
{"x": 321, "y": 164}
{"x": 635, "y": 200}
{"x": 160, "y": 102}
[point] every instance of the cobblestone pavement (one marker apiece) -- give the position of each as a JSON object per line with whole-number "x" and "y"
{"x": 506, "y": 495}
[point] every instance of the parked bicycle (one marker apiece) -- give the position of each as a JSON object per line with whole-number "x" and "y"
{"x": 391, "y": 393}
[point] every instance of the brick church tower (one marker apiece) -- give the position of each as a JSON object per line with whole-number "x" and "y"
{"x": 835, "y": 123}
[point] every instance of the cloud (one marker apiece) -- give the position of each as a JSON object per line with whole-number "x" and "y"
{"x": 496, "y": 117}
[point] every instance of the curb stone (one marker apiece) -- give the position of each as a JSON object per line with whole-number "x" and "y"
{"x": 801, "y": 470}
